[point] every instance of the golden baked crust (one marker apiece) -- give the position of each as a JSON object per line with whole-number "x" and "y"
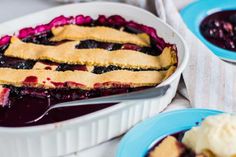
{"x": 40, "y": 66}
{"x": 81, "y": 79}
{"x": 67, "y": 53}
{"x": 169, "y": 147}
{"x": 98, "y": 33}
{"x": 43, "y": 75}
{"x": 90, "y": 68}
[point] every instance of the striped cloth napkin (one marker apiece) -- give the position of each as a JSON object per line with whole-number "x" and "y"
{"x": 210, "y": 82}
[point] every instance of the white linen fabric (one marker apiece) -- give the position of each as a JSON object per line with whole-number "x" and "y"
{"x": 209, "y": 80}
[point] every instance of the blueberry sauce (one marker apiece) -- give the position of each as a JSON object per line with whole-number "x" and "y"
{"x": 25, "y": 104}
{"x": 100, "y": 69}
{"x": 220, "y": 29}
{"x": 30, "y": 80}
{"x": 64, "y": 67}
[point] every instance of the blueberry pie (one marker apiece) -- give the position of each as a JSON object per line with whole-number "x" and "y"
{"x": 73, "y": 58}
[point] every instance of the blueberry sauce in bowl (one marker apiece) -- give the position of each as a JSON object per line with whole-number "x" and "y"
{"x": 220, "y": 29}
{"x": 25, "y": 103}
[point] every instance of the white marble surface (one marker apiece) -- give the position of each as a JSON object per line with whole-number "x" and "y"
{"x": 10, "y": 9}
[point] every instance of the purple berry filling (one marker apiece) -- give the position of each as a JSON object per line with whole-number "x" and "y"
{"x": 27, "y": 103}
{"x": 220, "y": 29}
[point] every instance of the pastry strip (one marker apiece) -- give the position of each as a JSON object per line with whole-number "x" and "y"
{"x": 169, "y": 147}
{"x": 81, "y": 79}
{"x": 99, "y": 33}
{"x": 67, "y": 53}
{"x": 40, "y": 66}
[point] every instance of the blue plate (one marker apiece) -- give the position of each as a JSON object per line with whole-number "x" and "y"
{"x": 194, "y": 13}
{"x": 142, "y": 137}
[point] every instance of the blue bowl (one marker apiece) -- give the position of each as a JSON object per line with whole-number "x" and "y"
{"x": 193, "y": 15}
{"x": 139, "y": 140}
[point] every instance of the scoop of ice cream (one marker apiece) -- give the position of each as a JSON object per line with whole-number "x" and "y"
{"x": 216, "y": 134}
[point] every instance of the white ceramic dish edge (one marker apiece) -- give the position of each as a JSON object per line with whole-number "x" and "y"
{"x": 74, "y": 135}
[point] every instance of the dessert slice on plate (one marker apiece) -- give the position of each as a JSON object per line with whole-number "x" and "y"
{"x": 215, "y": 137}
{"x": 171, "y": 147}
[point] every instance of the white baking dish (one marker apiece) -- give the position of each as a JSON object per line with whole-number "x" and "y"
{"x": 68, "y": 137}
